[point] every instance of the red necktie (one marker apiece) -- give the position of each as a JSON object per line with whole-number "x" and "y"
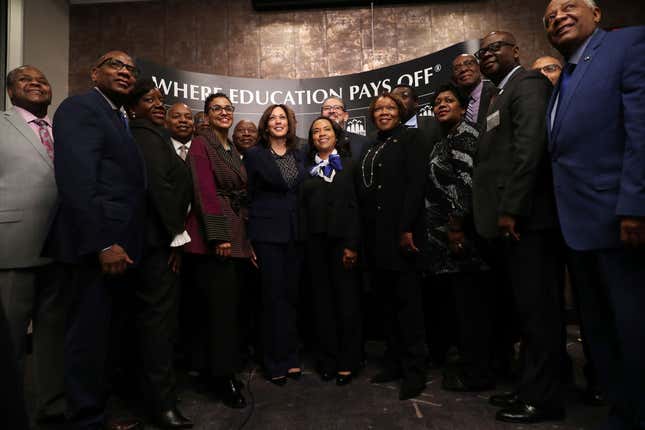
{"x": 45, "y": 137}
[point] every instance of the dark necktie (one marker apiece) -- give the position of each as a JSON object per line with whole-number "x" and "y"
{"x": 45, "y": 137}
{"x": 564, "y": 84}
{"x": 123, "y": 119}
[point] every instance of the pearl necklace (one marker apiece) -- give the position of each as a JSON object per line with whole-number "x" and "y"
{"x": 376, "y": 152}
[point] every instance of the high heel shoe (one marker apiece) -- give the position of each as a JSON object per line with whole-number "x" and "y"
{"x": 295, "y": 374}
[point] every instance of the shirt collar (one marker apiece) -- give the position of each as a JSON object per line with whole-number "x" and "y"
{"x": 112, "y": 105}
{"x": 476, "y": 93}
{"x": 177, "y": 144}
{"x": 508, "y": 77}
{"x": 575, "y": 58}
{"x": 29, "y": 117}
{"x": 412, "y": 122}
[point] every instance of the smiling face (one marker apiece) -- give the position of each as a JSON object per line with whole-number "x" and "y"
{"x": 569, "y": 23}
{"x": 499, "y": 54}
{"x": 278, "y": 124}
{"x": 179, "y": 121}
{"x": 30, "y": 90}
{"x": 245, "y": 135}
{"x": 220, "y": 113}
{"x": 335, "y": 109}
{"x": 447, "y": 109}
{"x": 386, "y": 114}
{"x": 465, "y": 71}
{"x": 115, "y": 82}
{"x": 150, "y": 106}
{"x": 323, "y": 136}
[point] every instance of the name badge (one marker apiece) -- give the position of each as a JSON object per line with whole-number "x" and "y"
{"x": 492, "y": 121}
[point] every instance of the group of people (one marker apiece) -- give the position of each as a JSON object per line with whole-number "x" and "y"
{"x": 461, "y": 223}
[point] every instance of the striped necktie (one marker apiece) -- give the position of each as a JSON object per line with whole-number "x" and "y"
{"x": 470, "y": 111}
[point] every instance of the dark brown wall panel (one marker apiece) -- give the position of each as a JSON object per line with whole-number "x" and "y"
{"x": 228, "y": 37}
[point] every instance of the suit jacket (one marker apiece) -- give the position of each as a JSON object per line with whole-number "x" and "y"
{"x": 357, "y": 144}
{"x": 488, "y": 91}
{"x": 512, "y": 174}
{"x": 101, "y": 181}
{"x": 169, "y": 183}
{"x": 430, "y": 131}
{"x": 273, "y": 205}
{"x": 27, "y": 193}
{"x": 220, "y": 183}
{"x": 390, "y": 195}
{"x": 331, "y": 208}
{"x": 597, "y": 142}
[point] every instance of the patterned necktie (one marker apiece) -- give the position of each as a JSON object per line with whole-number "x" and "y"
{"x": 45, "y": 137}
{"x": 183, "y": 152}
{"x": 470, "y": 111}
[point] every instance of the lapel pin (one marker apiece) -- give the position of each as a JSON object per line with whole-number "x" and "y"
{"x": 587, "y": 58}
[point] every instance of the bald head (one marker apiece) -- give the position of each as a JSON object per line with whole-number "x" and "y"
{"x": 115, "y": 73}
{"x": 28, "y": 88}
{"x": 550, "y": 67}
{"x": 179, "y": 121}
{"x": 498, "y": 55}
{"x": 465, "y": 72}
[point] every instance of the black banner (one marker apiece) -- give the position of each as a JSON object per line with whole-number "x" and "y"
{"x": 251, "y": 96}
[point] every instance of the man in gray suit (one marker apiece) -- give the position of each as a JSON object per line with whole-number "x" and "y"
{"x": 30, "y": 284}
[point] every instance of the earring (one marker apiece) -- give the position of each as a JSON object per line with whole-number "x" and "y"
{"x": 132, "y": 114}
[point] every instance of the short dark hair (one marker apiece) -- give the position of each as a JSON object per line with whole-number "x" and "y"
{"x": 291, "y": 123}
{"x": 386, "y": 94}
{"x": 341, "y": 143}
{"x": 141, "y": 88}
{"x": 210, "y": 98}
{"x": 11, "y": 76}
{"x": 413, "y": 93}
{"x": 459, "y": 94}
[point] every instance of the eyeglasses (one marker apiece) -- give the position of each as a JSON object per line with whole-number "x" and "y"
{"x": 551, "y": 68}
{"x": 218, "y": 108}
{"x": 333, "y": 108}
{"x": 467, "y": 64}
{"x": 120, "y": 65}
{"x": 493, "y": 47}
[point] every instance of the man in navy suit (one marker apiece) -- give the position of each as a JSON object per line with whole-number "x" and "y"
{"x": 98, "y": 227}
{"x": 596, "y": 120}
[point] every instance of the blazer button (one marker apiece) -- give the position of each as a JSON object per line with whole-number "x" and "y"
{"x": 378, "y": 187}
{"x": 395, "y": 140}
{"x": 378, "y": 208}
{"x": 380, "y": 164}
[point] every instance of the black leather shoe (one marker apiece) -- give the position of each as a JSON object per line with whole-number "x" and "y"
{"x": 173, "y": 419}
{"x": 523, "y": 413}
{"x": 506, "y": 400}
{"x": 326, "y": 376}
{"x": 280, "y": 381}
{"x": 385, "y": 376}
{"x": 295, "y": 375}
{"x": 593, "y": 396}
{"x": 231, "y": 395}
{"x": 344, "y": 379}
{"x": 454, "y": 381}
{"x": 411, "y": 388}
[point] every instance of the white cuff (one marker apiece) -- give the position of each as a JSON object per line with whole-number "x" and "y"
{"x": 181, "y": 239}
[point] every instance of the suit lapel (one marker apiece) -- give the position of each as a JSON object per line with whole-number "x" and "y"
{"x": 581, "y": 68}
{"x": 17, "y": 121}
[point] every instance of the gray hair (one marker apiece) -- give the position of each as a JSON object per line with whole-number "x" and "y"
{"x": 591, "y": 3}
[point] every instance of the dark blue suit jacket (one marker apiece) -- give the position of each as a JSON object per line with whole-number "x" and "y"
{"x": 101, "y": 182}
{"x": 273, "y": 208}
{"x": 597, "y": 142}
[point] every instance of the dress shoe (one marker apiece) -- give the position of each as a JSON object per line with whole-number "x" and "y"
{"x": 344, "y": 379}
{"x": 173, "y": 419}
{"x": 524, "y": 413}
{"x": 506, "y": 400}
{"x": 385, "y": 376}
{"x": 295, "y": 375}
{"x": 455, "y": 381}
{"x": 326, "y": 376}
{"x": 411, "y": 388}
{"x": 230, "y": 394}
{"x": 593, "y": 396}
{"x": 125, "y": 424}
{"x": 280, "y": 381}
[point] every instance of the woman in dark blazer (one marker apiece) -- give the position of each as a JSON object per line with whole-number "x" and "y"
{"x": 390, "y": 186}
{"x": 157, "y": 285}
{"x": 218, "y": 244}
{"x": 330, "y": 227}
{"x": 275, "y": 169}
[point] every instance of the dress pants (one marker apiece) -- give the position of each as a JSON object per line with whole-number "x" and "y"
{"x": 400, "y": 297}
{"x": 533, "y": 264}
{"x": 156, "y": 292}
{"x": 280, "y": 265}
{"x": 36, "y": 294}
{"x": 12, "y": 406}
{"x": 611, "y": 293}
{"x": 90, "y": 300}
{"x": 335, "y": 292}
{"x": 216, "y": 330}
